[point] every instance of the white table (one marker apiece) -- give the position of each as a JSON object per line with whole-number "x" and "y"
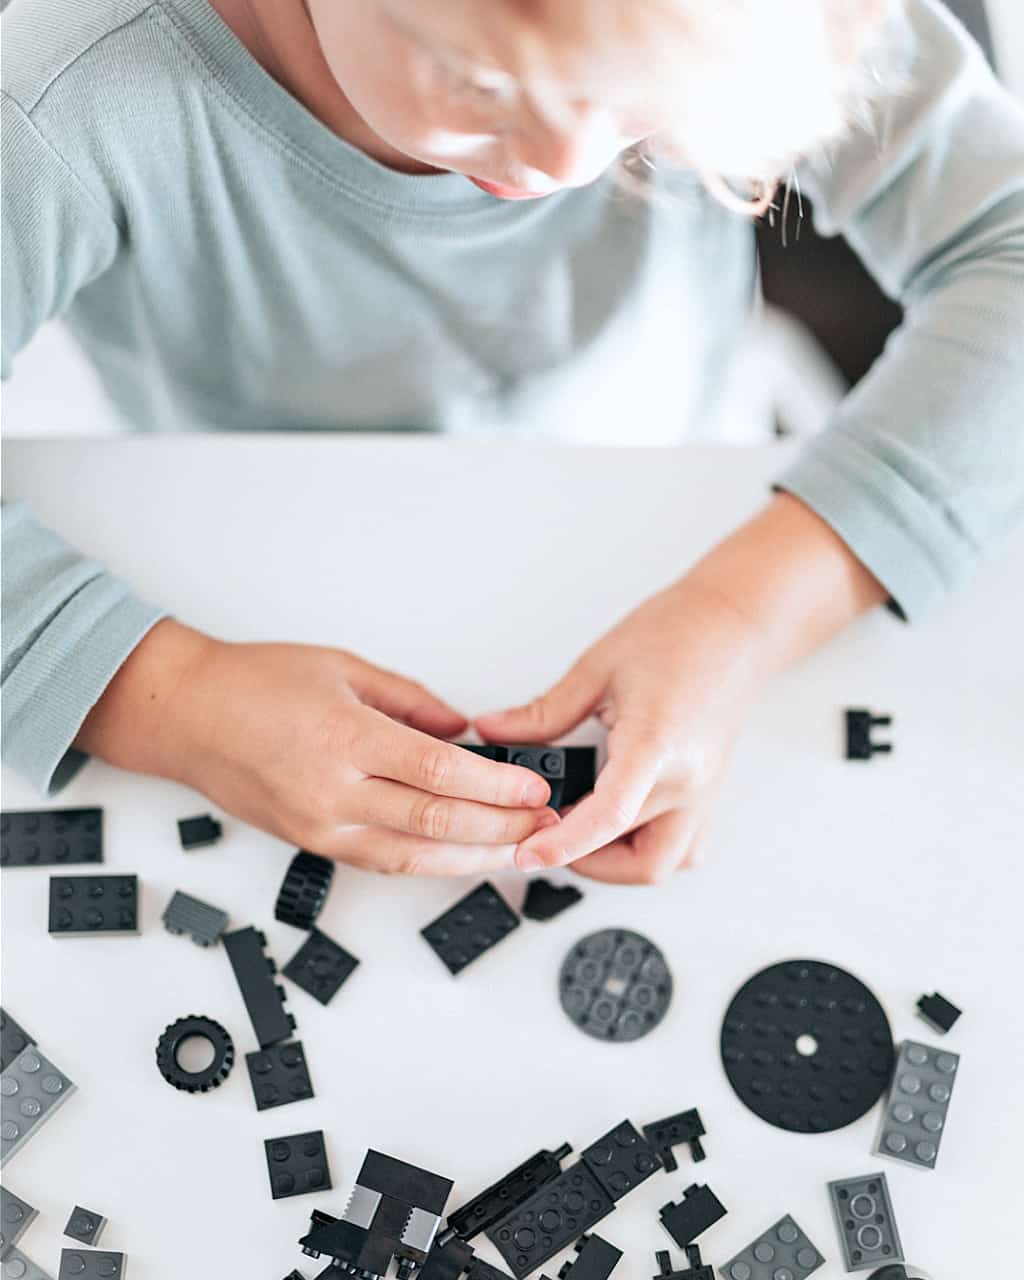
{"x": 484, "y": 569}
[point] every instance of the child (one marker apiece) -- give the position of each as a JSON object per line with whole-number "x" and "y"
{"x": 492, "y": 215}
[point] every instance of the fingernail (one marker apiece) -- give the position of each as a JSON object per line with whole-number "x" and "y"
{"x": 527, "y": 860}
{"x": 536, "y": 792}
{"x": 548, "y": 818}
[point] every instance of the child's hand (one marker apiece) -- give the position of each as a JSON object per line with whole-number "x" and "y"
{"x": 318, "y": 747}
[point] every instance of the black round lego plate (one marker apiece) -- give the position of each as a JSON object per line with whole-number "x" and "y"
{"x": 806, "y": 1046}
{"x": 615, "y": 985}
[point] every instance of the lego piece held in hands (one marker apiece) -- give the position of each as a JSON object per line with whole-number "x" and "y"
{"x": 940, "y": 1013}
{"x": 596, "y": 1261}
{"x": 569, "y": 771}
{"x": 297, "y": 1164}
{"x": 782, "y": 1249}
{"x": 550, "y": 1220}
{"x": 197, "y": 833}
{"x": 915, "y": 1111}
{"x": 85, "y": 1226}
{"x": 621, "y": 1159}
{"x": 13, "y": 1040}
{"x": 279, "y": 1075}
{"x": 195, "y": 1027}
{"x": 50, "y": 837}
{"x": 699, "y": 1209}
{"x": 264, "y": 999}
{"x": 304, "y": 890}
{"x": 94, "y": 906}
{"x": 16, "y": 1216}
{"x": 865, "y": 1221}
{"x": 859, "y": 743}
{"x": 87, "y": 1264}
{"x": 31, "y": 1090}
{"x": 615, "y": 985}
{"x": 204, "y": 924}
{"x": 695, "y": 1269}
{"x": 469, "y": 928}
{"x": 320, "y": 966}
{"x": 673, "y": 1131}
{"x": 499, "y": 1199}
{"x": 545, "y": 900}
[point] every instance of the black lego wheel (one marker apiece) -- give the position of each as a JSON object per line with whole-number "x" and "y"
{"x": 174, "y": 1037}
{"x": 615, "y": 985}
{"x": 806, "y": 1046}
{"x": 304, "y": 890}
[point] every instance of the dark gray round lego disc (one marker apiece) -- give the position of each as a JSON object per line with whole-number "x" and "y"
{"x": 615, "y": 985}
{"x": 806, "y": 1046}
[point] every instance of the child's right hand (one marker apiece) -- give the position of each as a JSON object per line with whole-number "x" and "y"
{"x": 319, "y": 748}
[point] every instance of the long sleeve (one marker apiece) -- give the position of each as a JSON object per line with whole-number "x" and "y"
{"x": 67, "y": 623}
{"x": 922, "y": 468}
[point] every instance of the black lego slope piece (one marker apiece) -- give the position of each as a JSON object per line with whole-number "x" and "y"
{"x": 545, "y": 900}
{"x": 940, "y": 1014}
{"x": 596, "y": 1260}
{"x": 469, "y": 928}
{"x": 304, "y": 889}
{"x": 13, "y": 1040}
{"x": 263, "y": 998}
{"x": 673, "y": 1131}
{"x": 320, "y": 966}
{"x": 685, "y": 1220}
{"x": 621, "y": 1159}
{"x": 198, "y": 832}
{"x": 86, "y": 906}
{"x": 50, "y": 837}
{"x": 551, "y": 1219}
{"x": 497, "y": 1200}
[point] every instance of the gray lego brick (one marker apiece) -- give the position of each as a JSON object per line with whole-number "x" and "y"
{"x": 91, "y": 1264}
{"x": 782, "y": 1252}
{"x": 31, "y": 1090}
{"x": 13, "y": 1039}
{"x": 865, "y": 1221}
{"x": 915, "y": 1111}
{"x": 204, "y": 924}
{"x": 17, "y": 1266}
{"x": 85, "y": 1225}
{"x": 15, "y": 1216}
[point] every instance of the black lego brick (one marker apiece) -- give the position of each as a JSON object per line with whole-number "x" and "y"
{"x": 446, "y": 1261}
{"x": 418, "y": 1188}
{"x": 545, "y": 900}
{"x": 596, "y": 1260}
{"x": 497, "y": 1200}
{"x": 940, "y": 1014}
{"x": 88, "y": 906}
{"x": 50, "y": 837}
{"x": 684, "y": 1127}
{"x": 297, "y": 1163}
{"x": 320, "y": 966}
{"x": 478, "y": 1269}
{"x": 85, "y": 1225}
{"x": 90, "y": 1264}
{"x": 279, "y": 1075}
{"x": 569, "y": 771}
{"x": 197, "y": 833}
{"x": 469, "y": 928}
{"x": 254, "y": 973}
{"x": 688, "y": 1218}
{"x": 203, "y": 923}
{"x": 550, "y": 1220}
{"x": 621, "y": 1159}
{"x": 695, "y": 1269}
{"x": 13, "y": 1040}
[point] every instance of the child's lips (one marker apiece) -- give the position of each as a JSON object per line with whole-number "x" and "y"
{"x": 507, "y": 193}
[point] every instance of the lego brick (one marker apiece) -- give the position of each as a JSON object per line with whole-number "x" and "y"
{"x": 469, "y": 928}
{"x": 782, "y": 1252}
{"x": 18, "y": 1266}
{"x": 859, "y": 743}
{"x": 447, "y": 1259}
{"x": 915, "y": 1112}
{"x": 85, "y": 1226}
{"x": 545, "y": 900}
{"x": 684, "y": 1127}
{"x": 865, "y": 1221}
{"x": 304, "y": 890}
{"x": 279, "y": 1075}
{"x": 554, "y": 1217}
{"x": 416, "y": 1187}
{"x": 695, "y": 1269}
{"x": 31, "y": 1090}
{"x": 16, "y": 1215}
{"x": 320, "y": 966}
{"x": 296, "y": 1164}
{"x": 569, "y": 771}
{"x": 204, "y": 924}
{"x": 494, "y": 1203}
{"x": 699, "y": 1209}
{"x": 596, "y": 1260}
{"x": 197, "y": 833}
{"x": 478, "y": 1269}
{"x": 51, "y": 837}
{"x": 615, "y": 985}
{"x": 88, "y": 1264}
{"x": 13, "y": 1040}
{"x": 621, "y": 1159}
{"x": 91, "y": 906}
{"x": 264, "y": 999}
{"x": 940, "y": 1014}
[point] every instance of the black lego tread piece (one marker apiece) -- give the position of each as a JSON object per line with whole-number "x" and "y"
{"x": 497, "y": 1200}
{"x": 296, "y": 1164}
{"x": 834, "y": 1084}
{"x": 91, "y": 1264}
{"x": 690, "y": 1217}
{"x": 615, "y": 985}
{"x": 50, "y": 837}
{"x": 16, "y": 1216}
{"x": 320, "y": 966}
{"x": 13, "y": 1040}
{"x": 859, "y": 743}
{"x": 304, "y": 889}
{"x": 279, "y": 1075}
{"x": 621, "y": 1159}
{"x": 550, "y": 1220}
{"x": 545, "y": 900}
{"x": 695, "y": 1268}
{"x": 203, "y": 923}
{"x": 85, "y": 1226}
{"x": 254, "y": 973}
{"x": 198, "y": 832}
{"x": 209, "y": 1077}
{"x": 673, "y": 1131}
{"x": 940, "y": 1014}
{"x": 596, "y": 1260}
{"x": 469, "y": 928}
{"x": 90, "y": 906}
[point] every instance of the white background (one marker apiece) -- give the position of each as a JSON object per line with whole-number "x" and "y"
{"x": 906, "y": 870}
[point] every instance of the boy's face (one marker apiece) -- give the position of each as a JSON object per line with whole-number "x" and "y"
{"x": 432, "y": 100}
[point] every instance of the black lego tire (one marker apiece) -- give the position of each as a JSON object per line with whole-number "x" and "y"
{"x": 304, "y": 890}
{"x": 211, "y": 1077}
{"x": 837, "y": 1079}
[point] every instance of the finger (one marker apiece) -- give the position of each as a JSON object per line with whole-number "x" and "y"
{"x": 556, "y": 712}
{"x": 407, "y": 700}
{"x": 634, "y": 761}
{"x": 385, "y": 749}
{"x": 380, "y": 802}
{"x": 396, "y": 853}
{"x": 648, "y": 855}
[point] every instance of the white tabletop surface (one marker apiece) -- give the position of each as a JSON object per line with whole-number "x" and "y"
{"x": 484, "y": 570}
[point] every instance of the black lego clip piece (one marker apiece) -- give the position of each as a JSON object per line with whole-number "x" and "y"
{"x": 673, "y": 1131}
{"x": 695, "y": 1268}
{"x": 859, "y": 744}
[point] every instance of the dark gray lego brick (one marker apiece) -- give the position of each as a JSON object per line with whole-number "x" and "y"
{"x": 686, "y": 1219}
{"x": 477, "y": 922}
{"x": 31, "y": 1090}
{"x": 914, "y": 1117}
{"x": 203, "y": 923}
{"x": 550, "y": 1220}
{"x": 865, "y": 1221}
{"x": 297, "y": 1164}
{"x": 320, "y": 966}
{"x": 782, "y": 1252}
{"x": 91, "y": 1264}
{"x": 13, "y": 1039}
{"x": 85, "y": 1225}
{"x": 264, "y": 999}
{"x": 92, "y": 906}
{"x": 198, "y": 832}
{"x": 279, "y": 1075}
{"x": 51, "y": 837}
{"x": 15, "y": 1217}
{"x": 621, "y": 1159}
{"x": 615, "y": 985}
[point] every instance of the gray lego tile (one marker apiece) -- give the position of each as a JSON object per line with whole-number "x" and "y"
{"x": 915, "y": 1112}
{"x": 18, "y": 1266}
{"x": 31, "y": 1090}
{"x": 782, "y": 1252}
{"x": 865, "y": 1221}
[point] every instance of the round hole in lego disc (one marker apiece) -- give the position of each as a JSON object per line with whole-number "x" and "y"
{"x": 194, "y": 1054}
{"x": 806, "y": 1046}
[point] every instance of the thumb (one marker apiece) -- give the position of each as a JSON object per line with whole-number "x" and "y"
{"x": 545, "y": 718}
{"x": 407, "y": 700}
